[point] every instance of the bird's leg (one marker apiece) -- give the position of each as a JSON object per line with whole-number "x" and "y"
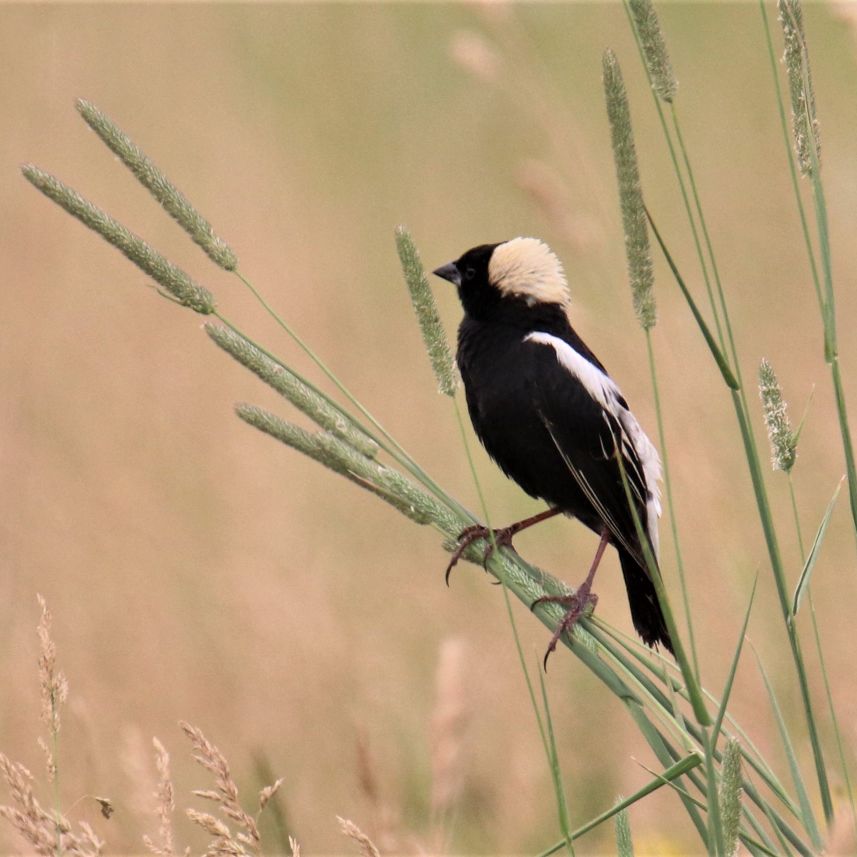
{"x": 501, "y": 537}
{"x": 576, "y": 603}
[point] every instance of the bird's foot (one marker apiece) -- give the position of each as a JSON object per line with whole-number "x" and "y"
{"x": 576, "y": 605}
{"x": 501, "y": 538}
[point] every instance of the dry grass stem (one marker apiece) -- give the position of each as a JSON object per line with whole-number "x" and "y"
{"x": 53, "y": 686}
{"x": 225, "y": 795}
{"x": 268, "y": 792}
{"x": 165, "y": 804}
{"x": 384, "y": 821}
{"x": 548, "y": 191}
{"x": 475, "y": 54}
{"x": 352, "y": 831}
{"x": 48, "y": 833}
{"x": 448, "y": 721}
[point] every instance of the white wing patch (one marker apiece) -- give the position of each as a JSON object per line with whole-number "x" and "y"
{"x": 605, "y": 391}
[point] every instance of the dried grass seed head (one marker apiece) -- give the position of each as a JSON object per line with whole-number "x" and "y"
{"x": 52, "y": 681}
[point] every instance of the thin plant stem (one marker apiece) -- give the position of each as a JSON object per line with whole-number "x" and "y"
{"x": 670, "y": 504}
{"x": 837, "y": 732}
{"x": 682, "y": 187}
{"x": 752, "y": 456}
{"x": 825, "y": 294}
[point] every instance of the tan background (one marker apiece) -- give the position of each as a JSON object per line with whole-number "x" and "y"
{"x": 196, "y": 570}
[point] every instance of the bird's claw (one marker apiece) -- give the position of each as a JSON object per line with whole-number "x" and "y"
{"x": 576, "y": 604}
{"x": 469, "y": 535}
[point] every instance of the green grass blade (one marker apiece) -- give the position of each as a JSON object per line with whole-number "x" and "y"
{"x": 679, "y": 769}
{"x": 730, "y": 678}
{"x": 713, "y": 347}
{"x": 807, "y": 814}
{"x": 556, "y": 772}
{"x": 812, "y": 556}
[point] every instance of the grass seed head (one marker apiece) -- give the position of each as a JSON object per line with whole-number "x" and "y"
{"x": 796, "y": 58}
{"x": 162, "y": 189}
{"x": 634, "y": 222}
{"x": 422, "y": 298}
{"x": 782, "y": 438}
{"x": 654, "y": 49}
{"x": 172, "y": 278}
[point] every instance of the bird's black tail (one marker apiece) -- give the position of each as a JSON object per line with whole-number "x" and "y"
{"x": 646, "y": 611}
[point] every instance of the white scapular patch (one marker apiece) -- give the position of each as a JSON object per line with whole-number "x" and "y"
{"x": 606, "y": 392}
{"x": 527, "y": 267}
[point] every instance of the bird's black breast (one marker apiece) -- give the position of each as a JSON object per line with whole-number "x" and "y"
{"x": 513, "y": 388}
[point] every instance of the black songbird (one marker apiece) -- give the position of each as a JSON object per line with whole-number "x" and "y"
{"x": 548, "y": 413}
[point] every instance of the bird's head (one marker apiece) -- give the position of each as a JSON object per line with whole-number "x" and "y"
{"x": 511, "y": 277}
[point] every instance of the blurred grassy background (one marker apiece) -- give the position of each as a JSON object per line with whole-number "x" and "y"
{"x": 196, "y": 570}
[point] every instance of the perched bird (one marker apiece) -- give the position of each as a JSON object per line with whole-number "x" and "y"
{"x": 551, "y": 417}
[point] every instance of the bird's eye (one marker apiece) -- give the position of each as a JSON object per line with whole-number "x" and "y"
{"x": 470, "y": 273}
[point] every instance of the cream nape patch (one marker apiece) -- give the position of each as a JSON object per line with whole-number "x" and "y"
{"x": 528, "y": 268}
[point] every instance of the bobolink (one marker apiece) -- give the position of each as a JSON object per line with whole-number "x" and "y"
{"x": 551, "y": 417}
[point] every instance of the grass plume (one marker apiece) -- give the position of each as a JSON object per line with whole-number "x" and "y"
{"x": 165, "y": 805}
{"x": 355, "y": 834}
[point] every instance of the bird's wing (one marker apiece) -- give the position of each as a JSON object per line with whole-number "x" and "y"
{"x": 589, "y": 422}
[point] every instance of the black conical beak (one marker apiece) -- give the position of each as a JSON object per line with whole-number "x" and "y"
{"x": 449, "y": 272}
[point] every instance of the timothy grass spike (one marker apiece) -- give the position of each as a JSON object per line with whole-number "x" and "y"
{"x": 624, "y": 843}
{"x": 176, "y": 282}
{"x": 342, "y": 458}
{"x": 162, "y": 189}
{"x": 426, "y": 310}
{"x": 730, "y": 795}
{"x": 288, "y": 385}
{"x": 783, "y": 439}
{"x": 654, "y": 49}
{"x": 634, "y": 221}
{"x": 801, "y": 91}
